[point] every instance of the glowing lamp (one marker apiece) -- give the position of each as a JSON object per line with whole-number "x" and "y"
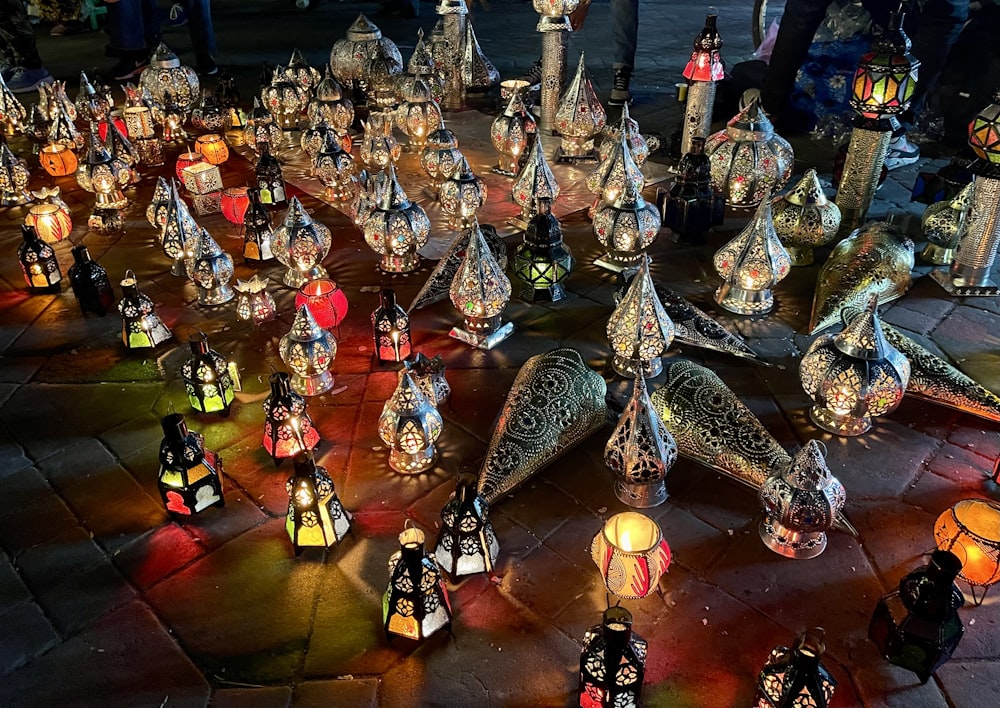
{"x": 190, "y": 478}
{"x": 179, "y": 232}
{"x": 631, "y": 554}
{"x": 210, "y": 269}
{"x": 418, "y": 114}
{"x": 542, "y": 261}
{"x": 208, "y": 115}
{"x": 300, "y": 73}
{"x": 270, "y": 181}
{"x": 208, "y": 378}
{"x": 793, "y": 677}
{"x": 607, "y": 180}
{"x": 326, "y": 302}
{"x": 534, "y": 182}
{"x": 104, "y": 176}
{"x": 139, "y": 122}
{"x": 14, "y": 178}
{"x": 212, "y": 148}
{"x": 480, "y": 292}
{"x": 12, "y": 111}
{"x": 415, "y": 604}
{"x": 703, "y": 71}
{"x": 331, "y": 105}
{"x": 57, "y": 160}
{"x": 612, "y": 663}
{"x": 186, "y": 159}
{"x": 309, "y": 351}
{"x": 351, "y": 54}
{"x": 804, "y": 219}
{"x": 260, "y": 128}
{"x": 579, "y": 118}
{"x": 253, "y": 302}
{"x": 115, "y": 118}
{"x": 91, "y": 106}
{"x": 300, "y": 244}
{"x": 288, "y": 429}
{"x": 467, "y": 543}
{"x": 166, "y": 78}
{"x": 285, "y": 99}
{"x": 409, "y": 425}
{"x": 391, "y": 329}
{"x": 396, "y": 228}
{"x": 90, "y": 283}
{"x": 429, "y": 375}
{"x": 51, "y": 223}
{"x": 972, "y": 527}
{"x": 233, "y": 203}
{"x": 462, "y": 194}
{"x": 379, "y": 147}
{"x": 38, "y": 262}
{"x": 625, "y": 227}
{"x": 334, "y": 168}
{"x": 257, "y": 231}
{"x": 62, "y": 130}
{"x": 142, "y": 328}
{"x": 510, "y": 133}
{"x": 440, "y": 156}
{"x": 639, "y": 330}
{"x": 381, "y": 81}
{"x": 316, "y": 518}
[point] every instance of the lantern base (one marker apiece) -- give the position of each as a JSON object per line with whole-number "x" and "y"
{"x": 508, "y": 165}
{"x": 961, "y": 287}
{"x": 413, "y": 463}
{"x": 844, "y": 425}
{"x": 215, "y": 296}
{"x": 744, "y": 302}
{"x": 641, "y": 496}
{"x": 937, "y": 255}
{"x": 295, "y": 278}
{"x": 520, "y": 222}
{"x": 576, "y": 150}
{"x": 632, "y": 368}
{"x": 618, "y": 261}
{"x": 483, "y": 340}
{"x": 801, "y": 255}
{"x": 553, "y": 293}
{"x": 14, "y": 198}
{"x": 312, "y": 385}
{"x": 177, "y": 269}
{"x": 392, "y": 263}
{"x": 790, "y": 543}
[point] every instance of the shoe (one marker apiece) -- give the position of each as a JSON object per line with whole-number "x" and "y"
{"x": 533, "y": 76}
{"x": 901, "y": 153}
{"x": 209, "y": 68}
{"x": 177, "y": 17}
{"x": 302, "y": 4}
{"x": 24, "y": 80}
{"x": 128, "y": 68}
{"x": 69, "y": 28}
{"x": 620, "y": 82}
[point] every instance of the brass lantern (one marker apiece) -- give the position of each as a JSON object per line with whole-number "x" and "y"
{"x": 854, "y": 375}
{"x": 421, "y": 65}
{"x": 639, "y": 330}
{"x": 391, "y": 329}
{"x": 415, "y": 604}
{"x": 288, "y": 429}
{"x": 381, "y": 79}
{"x": 39, "y": 264}
{"x": 793, "y": 677}
{"x": 467, "y": 543}
{"x": 309, "y": 351}
{"x": 253, "y": 302}
{"x": 607, "y": 180}
{"x": 462, "y": 194}
{"x": 542, "y": 261}
{"x": 534, "y": 182}
{"x": 429, "y": 375}
{"x": 257, "y": 231}
{"x": 379, "y": 147}
{"x": 751, "y": 264}
{"x": 332, "y": 106}
{"x": 316, "y": 518}
{"x": 312, "y": 138}
{"x": 972, "y": 528}
{"x": 801, "y": 504}
{"x": 142, "y": 328}
{"x": 351, "y": 55}
{"x": 190, "y": 478}
{"x": 612, "y": 663}
{"x": 284, "y": 99}
{"x": 166, "y": 75}
{"x": 104, "y": 176}
{"x": 511, "y": 133}
{"x": 943, "y": 224}
{"x": 748, "y": 159}
{"x": 210, "y": 269}
{"x": 299, "y": 72}
{"x": 12, "y": 111}
{"x": 410, "y": 425}
{"x": 334, "y": 169}
{"x": 396, "y": 228}
{"x": 625, "y": 227}
{"x": 14, "y": 176}
{"x": 804, "y": 219}
{"x": 579, "y": 118}
{"x": 179, "y": 232}
{"x": 418, "y": 114}
{"x": 440, "y": 156}
{"x": 208, "y": 378}
{"x": 260, "y": 128}
{"x": 631, "y": 554}
{"x": 480, "y": 292}
{"x": 300, "y": 244}
{"x": 478, "y": 73}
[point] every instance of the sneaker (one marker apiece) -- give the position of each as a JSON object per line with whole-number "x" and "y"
{"x": 177, "y": 17}
{"x": 128, "y": 68}
{"x": 209, "y": 68}
{"x": 23, "y": 80}
{"x": 620, "y": 82}
{"x": 533, "y": 75}
{"x": 901, "y": 153}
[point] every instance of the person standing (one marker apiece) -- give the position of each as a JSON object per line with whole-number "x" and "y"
{"x": 134, "y": 29}
{"x": 27, "y": 73}
{"x": 624, "y": 37}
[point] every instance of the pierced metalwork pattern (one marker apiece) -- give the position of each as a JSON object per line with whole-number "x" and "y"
{"x": 697, "y": 113}
{"x": 580, "y": 116}
{"x": 379, "y": 147}
{"x": 804, "y": 218}
{"x": 624, "y": 687}
{"x": 510, "y": 133}
{"x": 462, "y": 194}
{"x": 751, "y": 264}
{"x": 300, "y": 244}
{"x": 478, "y": 72}
{"x": 141, "y": 326}
{"x": 695, "y": 328}
{"x": 555, "y": 37}
{"x": 608, "y": 179}
{"x": 396, "y": 229}
{"x": 639, "y": 330}
{"x": 180, "y": 230}
{"x": 210, "y": 269}
{"x": 555, "y": 403}
{"x": 351, "y": 54}
{"x": 415, "y": 604}
{"x": 786, "y": 669}
{"x": 635, "y": 140}
{"x": 166, "y": 75}
{"x": 862, "y": 169}
{"x": 439, "y": 282}
{"x": 535, "y": 181}
{"x": 943, "y": 224}
{"x": 480, "y": 290}
{"x": 410, "y": 424}
{"x": 627, "y": 226}
{"x": 429, "y": 375}
{"x": 309, "y": 351}
{"x": 467, "y": 543}
{"x": 977, "y": 248}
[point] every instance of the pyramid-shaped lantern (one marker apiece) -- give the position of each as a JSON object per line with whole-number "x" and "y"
{"x": 179, "y": 232}
{"x": 480, "y": 292}
{"x": 299, "y": 72}
{"x": 92, "y": 106}
{"x": 580, "y": 117}
{"x": 608, "y": 179}
{"x": 478, "y": 72}
{"x": 639, "y": 329}
{"x": 12, "y": 111}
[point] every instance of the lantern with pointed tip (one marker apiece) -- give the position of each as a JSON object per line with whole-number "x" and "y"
{"x": 210, "y": 269}
{"x": 542, "y": 261}
{"x": 972, "y": 527}
{"x": 212, "y": 148}
{"x": 334, "y": 169}
{"x": 179, "y": 233}
{"x": 691, "y": 207}
{"x": 794, "y": 677}
{"x": 379, "y": 147}
{"x": 57, "y": 160}
{"x": 750, "y": 265}
{"x": 462, "y": 194}
{"x": 391, "y": 329}
{"x": 804, "y": 219}
{"x": 166, "y": 75}
{"x": 90, "y": 283}
{"x": 92, "y": 106}
{"x": 141, "y": 326}
{"x": 636, "y": 141}
{"x": 288, "y": 429}
{"x": 854, "y": 375}
{"x": 313, "y": 136}
{"x": 480, "y": 292}
{"x": 418, "y": 114}
{"x": 261, "y": 129}
{"x": 580, "y": 118}
{"x": 36, "y": 127}
{"x": 326, "y": 301}
{"x": 748, "y": 159}
{"x": 640, "y": 452}
{"x": 478, "y": 73}
{"x": 309, "y": 351}
{"x": 38, "y": 263}
{"x": 52, "y": 99}
{"x": 467, "y": 543}
{"x": 208, "y": 378}
{"x": 555, "y": 27}
{"x": 253, "y": 302}
{"x": 301, "y": 244}
{"x": 331, "y": 105}
{"x": 301, "y": 73}
{"x": 12, "y": 111}
{"x": 120, "y": 147}
{"x": 429, "y": 376}
{"x": 316, "y": 518}
{"x": 285, "y": 99}
{"x": 943, "y": 224}
{"x": 381, "y": 78}
{"x": 511, "y": 132}
{"x": 14, "y": 176}
{"x": 703, "y": 71}
{"x": 190, "y": 478}
{"x": 421, "y": 66}
{"x": 535, "y": 182}
{"x": 270, "y": 181}
{"x": 415, "y": 604}
{"x": 409, "y": 425}
{"x": 639, "y": 329}
{"x": 801, "y": 504}
{"x": 626, "y": 227}
{"x": 114, "y": 118}
{"x": 396, "y": 228}
{"x": 257, "y": 231}
{"x": 607, "y": 180}
{"x": 208, "y": 116}
{"x": 612, "y": 663}
{"x": 63, "y": 131}
{"x": 440, "y": 156}
{"x": 104, "y": 176}
{"x": 351, "y": 55}
{"x": 631, "y": 554}
{"x": 50, "y": 221}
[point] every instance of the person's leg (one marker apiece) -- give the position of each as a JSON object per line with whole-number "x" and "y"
{"x": 18, "y": 34}
{"x": 202, "y": 32}
{"x": 798, "y": 26}
{"x": 150, "y": 23}
{"x": 936, "y": 30}
{"x": 624, "y": 35}
{"x": 125, "y": 26}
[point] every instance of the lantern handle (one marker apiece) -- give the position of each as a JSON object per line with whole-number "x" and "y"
{"x": 129, "y": 273}
{"x": 822, "y": 444}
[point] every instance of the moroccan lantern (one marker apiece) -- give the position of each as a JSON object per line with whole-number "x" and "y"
{"x": 270, "y": 181}
{"x": 462, "y": 194}
{"x": 14, "y": 178}
{"x": 943, "y": 224}
{"x": 625, "y": 227}
{"x": 331, "y": 106}
{"x": 115, "y": 118}
{"x": 234, "y": 203}
{"x": 156, "y": 212}
{"x": 418, "y": 114}
{"x": 391, "y": 329}
{"x": 62, "y": 130}
{"x": 57, "y": 160}
{"x": 312, "y": 138}
{"x": 381, "y": 79}
{"x": 579, "y": 118}
{"x": 351, "y": 54}
{"x": 165, "y": 76}
{"x": 119, "y": 146}
{"x": 260, "y": 128}
{"x": 794, "y": 677}
{"x": 854, "y": 375}
{"x": 430, "y": 377}
{"x": 309, "y": 351}
{"x": 36, "y": 127}
{"x": 326, "y": 302}
{"x": 253, "y": 302}
{"x": 534, "y": 182}
{"x": 972, "y": 527}
{"x": 631, "y": 554}
{"x": 139, "y": 122}
{"x": 447, "y": 43}
{"x": 104, "y": 176}
{"x": 142, "y": 328}
{"x": 210, "y": 269}
{"x": 421, "y": 66}
{"x": 107, "y": 222}
{"x": 285, "y": 99}
{"x": 542, "y": 261}
{"x": 300, "y": 244}
{"x": 554, "y": 24}
{"x": 396, "y": 228}
{"x": 334, "y": 168}
{"x": 316, "y": 518}
{"x": 208, "y": 116}
{"x": 208, "y": 378}
{"x": 440, "y": 156}
{"x": 480, "y": 292}
{"x": 38, "y": 263}
{"x": 415, "y": 604}
{"x": 466, "y": 544}
{"x": 190, "y": 478}
{"x": 691, "y": 207}
{"x": 288, "y": 429}
{"x": 511, "y": 132}
{"x": 212, "y": 148}
{"x": 478, "y": 73}
{"x": 612, "y": 663}
{"x": 804, "y": 219}
{"x": 51, "y": 223}
{"x": 171, "y": 119}
{"x": 409, "y": 425}
{"x": 91, "y": 106}
{"x": 90, "y": 283}
{"x": 257, "y": 232}
{"x": 299, "y": 72}
{"x": 703, "y": 71}
{"x": 639, "y": 330}
{"x": 607, "y": 180}
{"x": 179, "y": 233}
{"x": 12, "y": 111}
{"x": 635, "y": 140}
{"x": 379, "y": 147}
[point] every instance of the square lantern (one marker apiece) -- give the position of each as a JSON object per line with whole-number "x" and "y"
{"x": 202, "y": 178}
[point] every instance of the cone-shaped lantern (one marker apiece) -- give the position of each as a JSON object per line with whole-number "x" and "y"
{"x": 12, "y": 111}
{"x": 92, "y": 106}
{"x": 397, "y": 228}
{"x": 14, "y": 176}
{"x": 438, "y": 283}
{"x": 179, "y": 233}
{"x": 804, "y": 219}
{"x": 211, "y": 269}
{"x": 579, "y": 118}
{"x": 478, "y": 72}
{"x": 309, "y": 351}
{"x": 480, "y": 292}
{"x": 535, "y": 182}
{"x": 141, "y": 326}
{"x": 299, "y": 72}
{"x": 410, "y": 424}
{"x": 626, "y": 227}
{"x": 156, "y": 212}
{"x": 316, "y": 518}
{"x": 63, "y": 131}
{"x": 635, "y": 140}
{"x": 639, "y": 330}
{"x": 461, "y": 195}
{"x": 511, "y": 132}
{"x": 467, "y": 543}
{"x": 288, "y": 429}
{"x": 301, "y": 244}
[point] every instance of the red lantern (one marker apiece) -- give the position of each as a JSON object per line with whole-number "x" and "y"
{"x": 116, "y": 118}
{"x": 326, "y": 302}
{"x": 234, "y": 203}
{"x": 186, "y": 159}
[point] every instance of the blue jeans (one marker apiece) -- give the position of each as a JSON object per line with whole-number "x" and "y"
{"x": 17, "y": 34}
{"x": 624, "y": 32}
{"x": 134, "y": 26}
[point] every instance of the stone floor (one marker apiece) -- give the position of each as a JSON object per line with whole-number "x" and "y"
{"x": 108, "y": 601}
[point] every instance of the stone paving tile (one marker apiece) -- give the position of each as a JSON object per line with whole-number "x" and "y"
{"x": 28, "y": 633}
{"x": 155, "y": 555}
{"x": 241, "y": 514}
{"x": 882, "y": 684}
{"x": 32, "y": 514}
{"x": 896, "y": 537}
{"x": 971, "y": 684}
{"x": 531, "y": 581}
{"x": 263, "y": 697}
{"x": 362, "y": 693}
{"x": 105, "y": 672}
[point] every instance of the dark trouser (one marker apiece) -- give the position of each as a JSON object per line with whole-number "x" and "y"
{"x": 133, "y": 26}
{"x": 17, "y": 33}
{"x": 624, "y": 32}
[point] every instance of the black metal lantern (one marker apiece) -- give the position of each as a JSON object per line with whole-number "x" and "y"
{"x": 316, "y": 518}
{"x": 288, "y": 429}
{"x": 542, "y": 261}
{"x": 38, "y": 262}
{"x": 415, "y": 604}
{"x": 90, "y": 283}
{"x": 269, "y": 178}
{"x": 691, "y": 206}
{"x": 190, "y": 477}
{"x": 467, "y": 543}
{"x": 794, "y": 677}
{"x": 208, "y": 378}
{"x": 612, "y": 663}
{"x": 258, "y": 231}
{"x": 391, "y": 329}
{"x": 917, "y": 627}
{"x": 142, "y": 328}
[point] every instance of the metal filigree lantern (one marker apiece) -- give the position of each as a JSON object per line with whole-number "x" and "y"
{"x": 480, "y": 292}
{"x": 535, "y": 182}
{"x": 261, "y": 129}
{"x": 300, "y": 244}
{"x": 166, "y": 75}
{"x": 351, "y": 55}
{"x": 467, "y": 543}
{"x": 418, "y": 114}
{"x": 257, "y": 231}
{"x": 285, "y": 99}
{"x": 943, "y": 224}
{"x": 800, "y": 505}
{"x": 415, "y": 604}
{"x": 751, "y": 264}
{"x": 379, "y": 147}
{"x": 478, "y": 73}
{"x": 626, "y": 227}
{"x": 38, "y": 261}
{"x": 607, "y": 180}
{"x": 440, "y": 156}
{"x": 331, "y": 105}
{"x": 334, "y": 169}
{"x": 62, "y": 131}
{"x": 612, "y": 663}
{"x": 208, "y": 378}
{"x": 462, "y": 194}
{"x": 208, "y": 115}
{"x": 409, "y": 425}
{"x": 288, "y": 429}
{"x": 316, "y": 518}
{"x": 640, "y": 452}
{"x": 511, "y": 133}
{"x": 748, "y": 159}
{"x": 555, "y": 27}
{"x": 429, "y": 375}
{"x": 542, "y": 261}
{"x": 631, "y": 554}
{"x": 104, "y": 176}
{"x": 972, "y": 527}
{"x": 190, "y": 478}
{"x": 299, "y": 72}
{"x": 794, "y": 677}
{"x": 14, "y": 176}
{"x": 635, "y": 140}
{"x": 12, "y": 111}
{"x": 639, "y": 329}
{"x": 210, "y": 269}
{"x": 179, "y": 232}
{"x": 381, "y": 79}
{"x": 312, "y": 138}
{"x": 142, "y": 328}
{"x": 91, "y": 106}
{"x": 703, "y": 71}
{"x": 396, "y": 228}
{"x": 579, "y": 119}
{"x": 390, "y": 329}
{"x": 804, "y": 219}
{"x": 854, "y": 375}
{"x": 253, "y": 302}
{"x": 309, "y": 351}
